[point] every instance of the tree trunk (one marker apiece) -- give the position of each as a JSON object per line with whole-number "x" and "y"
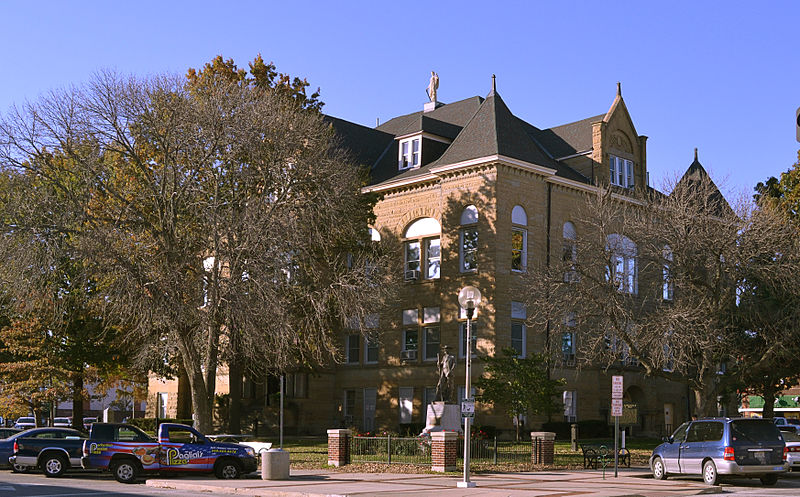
{"x": 184, "y": 395}
{"x": 705, "y": 396}
{"x": 203, "y": 409}
{"x": 77, "y": 400}
{"x": 768, "y": 392}
{"x": 235, "y": 405}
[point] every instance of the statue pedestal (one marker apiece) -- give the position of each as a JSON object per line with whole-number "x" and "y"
{"x": 442, "y": 417}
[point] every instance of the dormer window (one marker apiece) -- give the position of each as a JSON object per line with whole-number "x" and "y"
{"x": 620, "y": 171}
{"x": 409, "y": 153}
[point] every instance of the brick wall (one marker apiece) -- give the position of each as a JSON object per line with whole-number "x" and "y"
{"x": 444, "y": 447}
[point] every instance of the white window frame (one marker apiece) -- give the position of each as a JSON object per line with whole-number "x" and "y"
{"x": 405, "y": 404}
{"x": 621, "y": 171}
{"x": 423, "y": 233}
{"x": 348, "y": 411}
{"x": 522, "y": 339}
{"x": 469, "y": 224}
{"x": 408, "y": 157}
{"x": 352, "y": 356}
{"x": 570, "y": 400}
{"x": 667, "y": 285}
{"x": 524, "y": 254}
{"x": 371, "y": 344}
{"x": 623, "y": 264}
{"x": 424, "y": 332}
{"x": 568, "y": 355}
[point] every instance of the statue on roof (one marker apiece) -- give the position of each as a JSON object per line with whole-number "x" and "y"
{"x": 433, "y": 86}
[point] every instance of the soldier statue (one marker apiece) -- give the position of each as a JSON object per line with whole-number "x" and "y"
{"x": 445, "y": 364}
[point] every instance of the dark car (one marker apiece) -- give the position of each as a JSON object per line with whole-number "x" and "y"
{"x": 7, "y": 432}
{"x": 714, "y": 447}
{"x": 54, "y": 450}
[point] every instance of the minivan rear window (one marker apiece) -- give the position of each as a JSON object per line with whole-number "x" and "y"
{"x": 754, "y": 429}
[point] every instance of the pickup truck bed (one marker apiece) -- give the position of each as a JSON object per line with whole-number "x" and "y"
{"x": 54, "y": 450}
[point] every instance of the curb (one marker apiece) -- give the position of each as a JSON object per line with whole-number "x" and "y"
{"x": 216, "y": 489}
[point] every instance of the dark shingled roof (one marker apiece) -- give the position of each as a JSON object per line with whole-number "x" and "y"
{"x": 457, "y": 113}
{"x": 478, "y": 127}
{"x": 569, "y": 139}
{"x": 365, "y": 144}
{"x": 695, "y": 177}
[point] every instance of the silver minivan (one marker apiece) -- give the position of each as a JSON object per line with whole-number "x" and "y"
{"x": 713, "y": 447}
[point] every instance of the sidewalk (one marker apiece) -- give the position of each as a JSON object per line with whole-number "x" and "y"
{"x": 631, "y": 482}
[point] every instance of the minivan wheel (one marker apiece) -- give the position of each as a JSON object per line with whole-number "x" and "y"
{"x": 710, "y": 473}
{"x": 769, "y": 479}
{"x": 658, "y": 469}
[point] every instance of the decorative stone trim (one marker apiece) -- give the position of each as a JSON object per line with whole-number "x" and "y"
{"x": 338, "y": 447}
{"x": 444, "y": 447}
{"x": 542, "y": 447}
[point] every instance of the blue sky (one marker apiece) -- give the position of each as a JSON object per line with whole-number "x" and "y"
{"x": 720, "y": 76}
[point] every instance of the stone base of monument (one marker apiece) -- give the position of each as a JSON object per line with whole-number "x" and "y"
{"x": 442, "y": 417}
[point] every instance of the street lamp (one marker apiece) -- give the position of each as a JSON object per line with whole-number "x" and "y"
{"x": 468, "y": 298}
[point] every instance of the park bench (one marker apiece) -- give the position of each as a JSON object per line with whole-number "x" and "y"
{"x": 595, "y": 455}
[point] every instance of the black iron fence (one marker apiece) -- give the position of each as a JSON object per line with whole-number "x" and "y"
{"x": 391, "y": 450}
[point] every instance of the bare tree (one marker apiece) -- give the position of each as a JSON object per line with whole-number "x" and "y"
{"x": 652, "y": 282}
{"x": 210, "y": 216}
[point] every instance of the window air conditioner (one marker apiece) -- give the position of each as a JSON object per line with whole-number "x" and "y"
{"x": 408, "y": 355}
{"x": 412, "y": 275}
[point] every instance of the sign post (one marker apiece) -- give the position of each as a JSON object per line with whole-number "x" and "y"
{"x": 616, "y": 411}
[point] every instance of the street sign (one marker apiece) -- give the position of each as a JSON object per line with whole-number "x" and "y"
{"x": 616, "y": 407}
{"x": 468, "y": 408}
{"x": 616, "y": 387}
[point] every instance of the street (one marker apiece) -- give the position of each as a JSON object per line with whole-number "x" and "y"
{"x": 77, "y": 485}
{"x": 96, "y": 484}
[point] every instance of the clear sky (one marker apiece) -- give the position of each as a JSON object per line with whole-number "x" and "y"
{"x": 723, "y": 76}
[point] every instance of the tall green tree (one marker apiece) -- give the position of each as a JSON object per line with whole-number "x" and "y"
{"x": 521, "y": 385}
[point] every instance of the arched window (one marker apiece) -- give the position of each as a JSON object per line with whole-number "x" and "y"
{"x": 569, "y": 253}
{"x": 468, "y": 240}
{"x": 519, "y": 239}
{"x": 667, "y": 285}
{"x": 621, "y": 269}
{"x": 423, "y": 255}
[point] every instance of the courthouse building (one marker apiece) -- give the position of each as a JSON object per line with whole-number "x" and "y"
{"x": 477, "y": 196}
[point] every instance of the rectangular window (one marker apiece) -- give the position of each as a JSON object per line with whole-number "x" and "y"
{"x": 519, "y": 238}
{"x": 568, "y": 348}
{"x": 621, "y": 172}
{"x": 667, "y": 286}
{"x": 370, "y": 402}
{"x": 432, "y": 342}
{"x": 433, "y": 257}
{"x": 409, "y": 153}
{"x": 473, "y": 332}
{"x": 518, "y": 338}
{"x": 406, "y": 404}
{"x": 410, "y": 340}
{"x": 353, "y": 348}
{"x": 349, "y": 406}
{"x": 469, "y": 250}
{"x": 570, "y": 406}
{"x": 371, "y": 350}
{"x": 429, "y": 396}
{"x": 413, "y": 256}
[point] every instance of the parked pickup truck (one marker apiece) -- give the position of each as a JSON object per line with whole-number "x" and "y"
{"x": 54, "y": 450}
{"x": 128, "y": 452}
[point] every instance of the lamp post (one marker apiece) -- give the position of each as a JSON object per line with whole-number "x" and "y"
{"x": 468, "y": 298}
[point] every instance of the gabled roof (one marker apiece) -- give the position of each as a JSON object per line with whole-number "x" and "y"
{"x": 697, "y": 177}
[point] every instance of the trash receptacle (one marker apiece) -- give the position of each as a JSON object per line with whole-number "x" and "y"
{"x": 275, "y": 465}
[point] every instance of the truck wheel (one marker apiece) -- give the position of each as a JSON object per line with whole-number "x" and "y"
{"x": 18, "y": 468}
{"x": 125, "y": 471}
{"x": 228, "y": 469}
{"x": 53, "y": 465}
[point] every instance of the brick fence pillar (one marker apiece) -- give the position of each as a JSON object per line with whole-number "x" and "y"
{"x": 338, "y": 447}
{"x": 542, "y": 447}
{"x": 444, "y": 445}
